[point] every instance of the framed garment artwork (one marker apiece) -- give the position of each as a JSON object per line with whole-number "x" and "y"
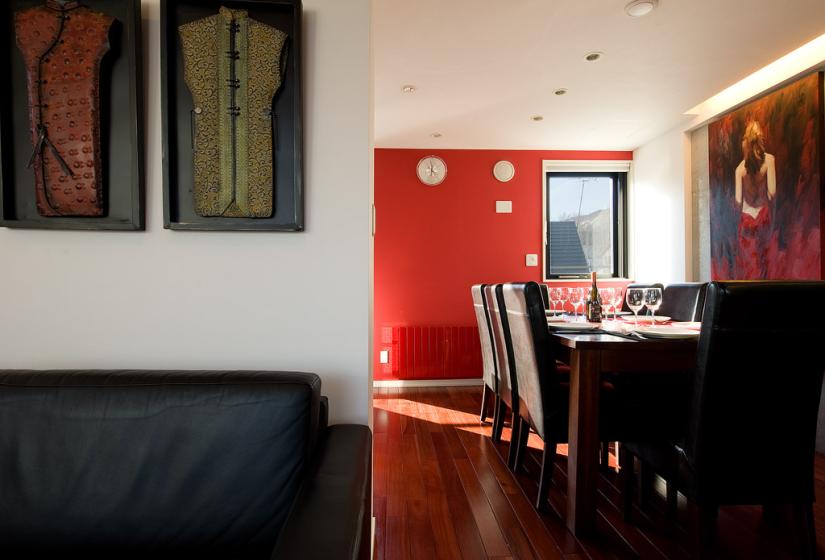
{"x": 766, "y": 186}
{"x": 232, "y": 122}
{"x": 71, "y": 120}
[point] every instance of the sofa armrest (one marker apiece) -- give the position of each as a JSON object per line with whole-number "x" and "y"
{"x": 332, "y": 515}
{"x": 323, "y": 421}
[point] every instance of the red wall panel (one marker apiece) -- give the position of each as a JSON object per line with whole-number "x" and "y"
{"x": 433, "y": 243}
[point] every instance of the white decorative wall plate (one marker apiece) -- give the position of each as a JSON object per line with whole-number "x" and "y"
{"x": 504, "y": 171}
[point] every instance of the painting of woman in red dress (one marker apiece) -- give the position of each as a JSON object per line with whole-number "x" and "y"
{"x": 755, "y": 192}
{"x": 766, "y": 186}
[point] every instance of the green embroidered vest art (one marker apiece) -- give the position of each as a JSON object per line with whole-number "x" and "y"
{"x": 232, "y": 67}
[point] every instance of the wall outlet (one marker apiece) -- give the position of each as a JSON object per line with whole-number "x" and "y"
{"x": 532, "y": 260}
{"x": 384, "y": 357}
{"x": 504, "y": 206}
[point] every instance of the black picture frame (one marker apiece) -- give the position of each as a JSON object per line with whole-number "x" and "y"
{"x": 121, "y": 83}
{"x": 178, "y": 203}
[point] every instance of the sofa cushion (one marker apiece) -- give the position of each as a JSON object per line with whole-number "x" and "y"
{"x": 152, "y": 460}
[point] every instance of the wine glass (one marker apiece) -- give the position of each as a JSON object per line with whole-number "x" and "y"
{"x": 555, "y": 297}
{"x": 618, "y": 298}
{"x": 635, "y": 298}
{"x": 653, "y": 300}
{"x": 564, "y": 297}
{"x": 575, "y": 300}
{"x": 607, "y": 299}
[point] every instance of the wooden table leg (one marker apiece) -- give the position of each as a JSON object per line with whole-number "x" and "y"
{"x": 583, "y": 458}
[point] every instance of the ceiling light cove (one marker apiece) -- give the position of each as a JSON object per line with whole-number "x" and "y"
{"x": 791, "y": 65}
{"x": 408, "y": 89}
{"x": 640, "y": 8}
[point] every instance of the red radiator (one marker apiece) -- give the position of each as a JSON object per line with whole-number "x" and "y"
{"x": 422, "y": 352}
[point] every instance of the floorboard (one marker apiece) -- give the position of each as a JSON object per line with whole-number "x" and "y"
{"x": 443, "y": 490}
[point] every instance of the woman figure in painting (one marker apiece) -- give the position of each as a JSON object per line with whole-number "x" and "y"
{"x": 755, "y": 191}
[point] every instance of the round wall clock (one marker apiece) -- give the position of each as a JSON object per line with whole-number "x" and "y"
{"x": 431, "y": 170}
{"x": 504, "y": 171}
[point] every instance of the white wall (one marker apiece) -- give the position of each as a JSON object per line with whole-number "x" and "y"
{"x": 658, "y": 210}
{"x": 700, "y": 204}
{"x": 163, "y": 299}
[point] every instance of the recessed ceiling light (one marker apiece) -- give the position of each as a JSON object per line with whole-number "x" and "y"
{"x": 593, "y": 56}
{"x": 408, "y": 89}
{"x": 561, "y": 91}
{"x": 536, "y": 118}
{"x": 436, "y": 135}
{"x": 639, "y": 8}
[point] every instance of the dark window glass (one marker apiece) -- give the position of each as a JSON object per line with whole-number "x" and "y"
{"x": 584, "y": 224}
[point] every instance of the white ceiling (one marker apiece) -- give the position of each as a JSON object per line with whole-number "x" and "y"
{"x": 482, "y": 68}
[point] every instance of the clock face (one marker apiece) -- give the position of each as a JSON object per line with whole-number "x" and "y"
{"x": 504, "y": 171}
{"x": 431, "y": 170}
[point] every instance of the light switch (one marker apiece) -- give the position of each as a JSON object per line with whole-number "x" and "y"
{"x": 532, "y": 260}
{"x": 504, "y": 206}
{"x": 385, "y": 356}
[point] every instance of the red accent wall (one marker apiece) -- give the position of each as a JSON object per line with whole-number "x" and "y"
{"x": 433, "y": 243}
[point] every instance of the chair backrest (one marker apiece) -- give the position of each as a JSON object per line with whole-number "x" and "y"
{"x": 488, "y": 360}
{"x": 535, "y": 368}
{"x": 683, "y": 302}
{"x": 545, "y": 296}
{"x": 507, "y": 387}
{"x": 629, "y": 286}
{"x": 757, "y": 384}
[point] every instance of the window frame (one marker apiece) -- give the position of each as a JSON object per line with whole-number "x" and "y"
{"x": 621, "y": 172}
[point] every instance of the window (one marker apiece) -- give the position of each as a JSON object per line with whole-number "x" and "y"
{"x": 585, "y": 224}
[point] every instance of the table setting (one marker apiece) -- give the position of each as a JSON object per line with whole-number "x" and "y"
{"x": 648, "y": 326}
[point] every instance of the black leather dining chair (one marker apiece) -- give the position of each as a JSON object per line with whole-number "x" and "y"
{"x": 650, "y": 395}
{"x": 507, "y": 385}
{"x": 545, "y": 296}
{"x": 541, "y": 402}
{"x": 683, "y": 302}
{"x": 755, "y": 382}
{"x": 488, "y": 360}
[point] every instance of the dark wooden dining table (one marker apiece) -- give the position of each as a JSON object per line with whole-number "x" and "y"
{"x": 589, "y": 356}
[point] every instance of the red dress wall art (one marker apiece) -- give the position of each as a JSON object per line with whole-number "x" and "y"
{"x": 766, "y": 172}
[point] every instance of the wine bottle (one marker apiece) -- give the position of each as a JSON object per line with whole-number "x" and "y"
{"x": 594, "y": 302}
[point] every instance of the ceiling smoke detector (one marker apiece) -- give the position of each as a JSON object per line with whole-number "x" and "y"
{"x": 593, "y": 56}
{"x": 408, "y": 89}
{"x": 640, "y": 8}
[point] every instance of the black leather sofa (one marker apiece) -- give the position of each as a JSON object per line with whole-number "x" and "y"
{"x": 178, "y": 464}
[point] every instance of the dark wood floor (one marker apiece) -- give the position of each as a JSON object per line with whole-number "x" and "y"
{"x": 443, "y": 490}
